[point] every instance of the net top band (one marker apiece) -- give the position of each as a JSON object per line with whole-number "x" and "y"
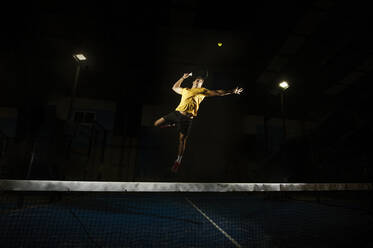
{"x": 100, "y": 186}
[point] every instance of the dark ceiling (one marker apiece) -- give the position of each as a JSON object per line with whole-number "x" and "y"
{"x": 323, "y": 48}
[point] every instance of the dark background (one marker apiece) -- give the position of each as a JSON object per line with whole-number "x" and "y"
{"x": 137, "y": 50}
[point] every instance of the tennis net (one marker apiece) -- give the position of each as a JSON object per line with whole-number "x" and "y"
{"x": 145, "y": 214}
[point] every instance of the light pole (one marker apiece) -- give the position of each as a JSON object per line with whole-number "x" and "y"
{"x": 283, "y": 85}
{"x": 79, "y": 58}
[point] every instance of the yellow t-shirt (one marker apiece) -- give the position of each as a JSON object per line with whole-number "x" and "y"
{"x": 190, "y": 100}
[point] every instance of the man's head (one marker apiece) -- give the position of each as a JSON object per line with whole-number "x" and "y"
{"x": 198, "y": 82}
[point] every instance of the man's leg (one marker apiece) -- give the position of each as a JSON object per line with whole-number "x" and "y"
{"x": 182, "y": 143}
{"x": 181, "y": 150}
{"x": 161, "y": 122}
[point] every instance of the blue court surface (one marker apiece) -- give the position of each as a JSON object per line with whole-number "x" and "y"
{"x": 182, "y": 220}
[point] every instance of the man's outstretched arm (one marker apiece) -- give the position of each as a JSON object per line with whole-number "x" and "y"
{"x": 236, "y": 91}
{"x": 177, "y": 86}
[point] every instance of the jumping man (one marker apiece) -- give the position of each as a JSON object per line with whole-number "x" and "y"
{"x": 183, "y": 115}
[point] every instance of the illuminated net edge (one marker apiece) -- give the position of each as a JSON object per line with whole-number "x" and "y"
{"x": 100, "y": 186}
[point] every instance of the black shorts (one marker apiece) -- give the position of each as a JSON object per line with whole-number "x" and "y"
{"x": 183, "y": 123}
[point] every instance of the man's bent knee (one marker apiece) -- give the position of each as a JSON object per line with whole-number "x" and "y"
{"x": 159, "y": 122}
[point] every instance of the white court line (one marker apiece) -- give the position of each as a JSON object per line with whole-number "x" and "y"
{"x": 214, "y": 224}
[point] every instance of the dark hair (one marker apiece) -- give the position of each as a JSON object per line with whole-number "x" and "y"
{"x": 199, "y": 77}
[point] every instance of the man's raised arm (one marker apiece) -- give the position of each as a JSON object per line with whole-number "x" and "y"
{"x": 236, "y": 91}
{"x": 177, "y": 86}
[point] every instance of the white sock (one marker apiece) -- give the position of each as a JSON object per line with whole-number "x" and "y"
{"x": 179, "y": 159}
